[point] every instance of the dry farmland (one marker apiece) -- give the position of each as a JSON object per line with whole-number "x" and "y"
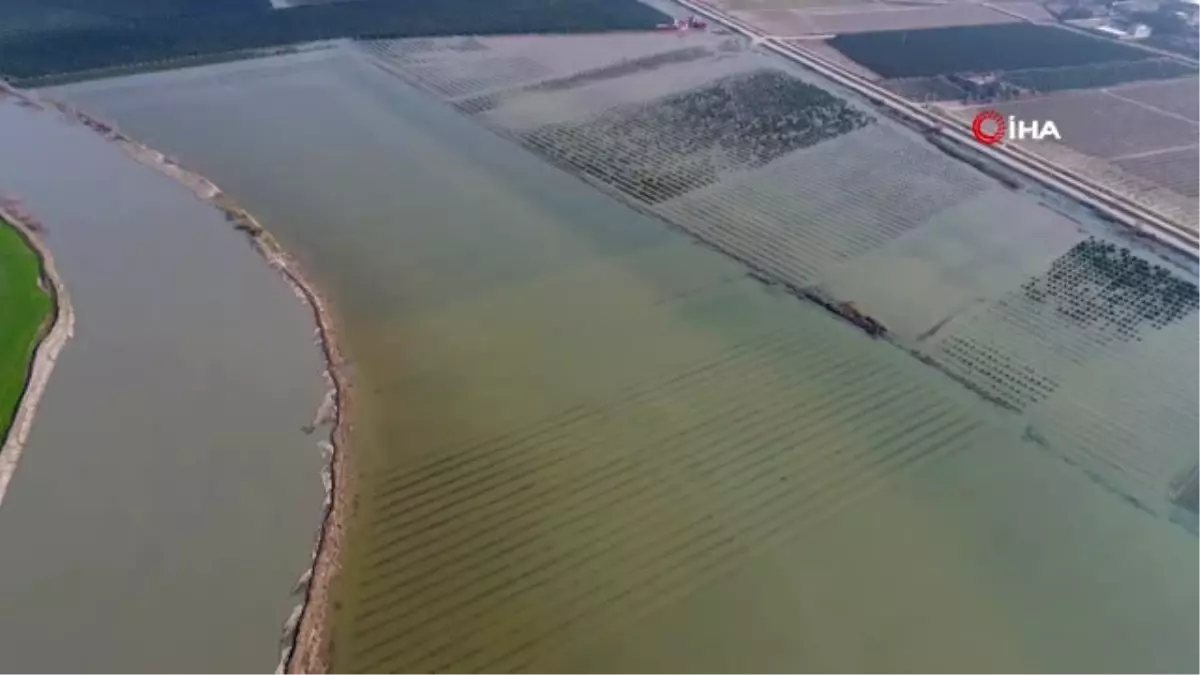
{"x": 909, "y": 18}
{"x": 1172, "y": 169}
{"x": 735, "y": 6}
{"x": 852, "y": 20}
{"x": 783, "y": 22}
{"x": 1140, "y": 139}
{"x": 1179, "y": 97}
{"x": 1101, "y": 125}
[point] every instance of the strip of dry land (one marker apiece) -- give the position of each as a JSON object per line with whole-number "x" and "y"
{"x": 62, "y": 327}
{"x": 306, "y": 632}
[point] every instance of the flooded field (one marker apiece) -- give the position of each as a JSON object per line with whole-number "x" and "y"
{"x": 167, "y": 499}
{"x": 596, "y": 420}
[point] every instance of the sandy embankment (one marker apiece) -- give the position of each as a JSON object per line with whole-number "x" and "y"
{"x": 305, "y": 637}
{"x": 45, "y": 357}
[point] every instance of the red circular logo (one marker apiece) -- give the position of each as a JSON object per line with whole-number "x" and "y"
{"x": 989, "y": 127}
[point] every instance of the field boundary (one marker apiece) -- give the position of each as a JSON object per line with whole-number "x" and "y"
{"x": 50, "y": 343}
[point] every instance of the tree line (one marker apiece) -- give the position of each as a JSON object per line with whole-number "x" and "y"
{"x": 246, "y": 24}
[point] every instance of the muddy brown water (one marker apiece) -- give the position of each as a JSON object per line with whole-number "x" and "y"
{"x": 588, "y": 444}
{"x": 167, "y": 499}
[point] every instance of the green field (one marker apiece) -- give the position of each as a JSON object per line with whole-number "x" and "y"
{"x": 958, "y": 49}
{"x": 24, "y": 306}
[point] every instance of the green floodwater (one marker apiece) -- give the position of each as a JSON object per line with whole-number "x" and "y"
{"x": 586, "y": 443}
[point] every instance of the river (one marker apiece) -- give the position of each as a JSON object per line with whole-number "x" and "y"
{"x": 586, "y": 443}
{"x": 167, "y": 500}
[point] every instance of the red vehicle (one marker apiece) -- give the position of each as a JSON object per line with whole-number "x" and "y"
{"x": 681, "y": 25}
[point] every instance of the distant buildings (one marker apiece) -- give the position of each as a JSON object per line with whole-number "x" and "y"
{"x": 1115, "y": 23}
{"x": 1130, "y": 6}
{"x": 1117, "y": 29}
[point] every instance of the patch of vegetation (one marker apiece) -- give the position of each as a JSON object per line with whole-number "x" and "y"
{"x": 959, "y": 49}
{"x": 246, "y": 25}
{"x": 684, "y": 141}
{"x": 24, "y": 307}
{"x": 759, "y": 116}
{"x": 1106, "y": 287}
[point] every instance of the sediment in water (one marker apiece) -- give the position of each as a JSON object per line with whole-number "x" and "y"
{"x": 305, "y": 632}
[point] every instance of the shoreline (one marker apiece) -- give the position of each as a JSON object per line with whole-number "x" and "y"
{"x": 305, "y": 634}
{"x": 49, "y": 345}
